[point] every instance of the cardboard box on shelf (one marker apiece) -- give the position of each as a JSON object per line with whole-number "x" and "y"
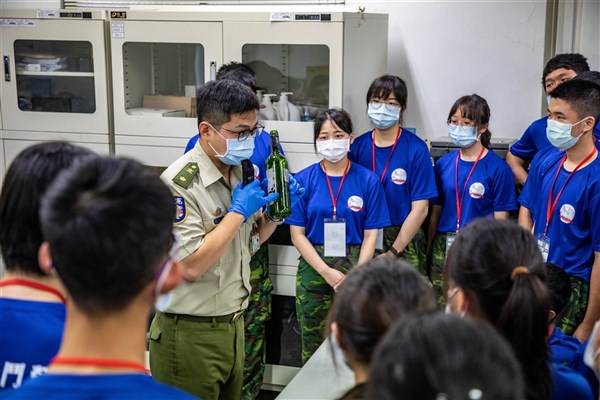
{"x": 188, "y": 104}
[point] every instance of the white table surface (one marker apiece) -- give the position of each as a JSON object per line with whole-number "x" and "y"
{"x": 320, "y": 378}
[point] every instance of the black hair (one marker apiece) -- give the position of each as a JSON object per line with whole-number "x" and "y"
{"x": 592, "y": 76}
{"x": 426, "y": 356}
{"x": 385, "y": 85}
{"x": 559, "y": 285}
{"x": 218, "y": 100}
{"x": 238, "y": 72}
{"x": 340, "y": 117}
{"x": 582, "y": 95}
{"x": 26, "y": 180}
{"x": 499, "y": 267}
{"x": 108, "y": 223}
{"x": 371, "y": 298}
{"x": 573, "y": 61}
{"x": 475, "y": 108}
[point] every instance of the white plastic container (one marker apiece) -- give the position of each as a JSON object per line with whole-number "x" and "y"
{"x": 267, "y": 112}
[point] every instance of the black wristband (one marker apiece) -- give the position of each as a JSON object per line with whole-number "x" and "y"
{"x": 395, "y": 252}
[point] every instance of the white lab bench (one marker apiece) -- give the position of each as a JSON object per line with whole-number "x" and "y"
{"x": 320, "y": 378}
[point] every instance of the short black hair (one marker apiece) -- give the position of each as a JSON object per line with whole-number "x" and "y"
{"x": 559, "y": 285}
{"x": 340, "y": 117}
{"x": 475, "y": 108}
{"x": 238, "y": 72}
{"x": 582, "y": 95}
{"x": 573, "y": 61}
{"x": 26, "y": 180}
{"x": 427, "y": 355}
{"x": 383, "y": 86}
{"x": 108, "y": 222}
{"x": 592, "y": 76}
{"x": 218, "y": 100}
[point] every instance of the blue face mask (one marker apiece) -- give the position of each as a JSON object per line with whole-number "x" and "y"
{"x": 383, "y": 115}
{"x": 462, "y": 136}
{"x": 236, "y": 151}
{"x": 559, "y": 134}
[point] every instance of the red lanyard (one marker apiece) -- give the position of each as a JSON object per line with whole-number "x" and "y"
{"x": 99, "y": 362}
{"x": 551, "y": 207}
{"x": 334, "y": 200}
{"x": 34, "y": 285}
{"x": 387, "y": 164}
{"x": 459, "y": 202}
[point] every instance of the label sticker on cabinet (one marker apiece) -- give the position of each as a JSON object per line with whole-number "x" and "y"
{"x": 117, "y": 30}
{"x": 281, "y": 16}
{"x": 47, "y": 14}
{"x": 17, "y": 23}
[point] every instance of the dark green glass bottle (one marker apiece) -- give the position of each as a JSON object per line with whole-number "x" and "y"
{"x": 278, "y": 177}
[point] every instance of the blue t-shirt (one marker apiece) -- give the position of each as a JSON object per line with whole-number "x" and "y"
{"x": 564, "y": 349}
{"x": 409, "y": 176}
{"x": 96, "y": 387}
{"x": 30, "y": 336}
{"x": 574, "y": 230}
{"x": 262, "y": 151}
{"x": 361, "y": 203}
{"x": 534, "y": 139}
{"x": 568, "y": 384}
{"x": 491, "y": 188}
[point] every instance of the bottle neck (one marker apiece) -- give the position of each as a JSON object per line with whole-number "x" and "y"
{"x": 275, "y": 144}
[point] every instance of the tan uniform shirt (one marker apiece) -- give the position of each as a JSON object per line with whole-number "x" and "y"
{"x": 225, "y": 287}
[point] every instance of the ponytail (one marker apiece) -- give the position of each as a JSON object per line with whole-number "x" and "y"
{"x": 486, "y": 138}
{"x": 523, "y": 321}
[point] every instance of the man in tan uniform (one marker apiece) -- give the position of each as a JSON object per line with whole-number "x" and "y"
{"x": 197, "y": 342}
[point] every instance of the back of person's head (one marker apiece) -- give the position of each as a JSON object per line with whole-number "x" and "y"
{"x": 108, "y": 223}
{"x": 435, "y": 357}
{"x": 475, "y": 108}
{"x": 559, "y": 285}
{"x": 496, "y": 270}
{"x": 592, "y": 76}
{"x": 371, "y": 299}
{"x": 238, "y": 72}
{"x": 385, "y": 85}
{"x": 573, "y": 61}
{"x": 26, "y": 181}
{"x": 218, "y": 100}
{"x": 582, "y": 95}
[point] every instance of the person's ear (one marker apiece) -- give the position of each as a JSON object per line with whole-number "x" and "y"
{"x": 483, "y": 128}
{"x": 551, "y": 315}
{"x": 588, "y": 124}
{"x": 173, "y": 278}
{"x": 461, "y": 302}
{"x": 205, "y": 129}
{"x": 352, "y": 137}
{"x": 45, "y": 259}
{"x": 335, "y": 332}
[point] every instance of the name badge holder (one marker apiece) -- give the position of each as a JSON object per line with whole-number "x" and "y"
{"x": 379, "y": 241}
{"x": 543, "y": 242}
{"x": 450, "y": 237}
{"x": 254, "y": 240}
{"x": 334, "y": 229}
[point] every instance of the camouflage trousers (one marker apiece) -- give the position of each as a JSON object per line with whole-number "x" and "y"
{"x": 255, "y": 319}
{"x": 314, "y": 297}
{"x": 572, "y": 315}
{"x": 414, "y": 253}
{"x": 437, "y": 260}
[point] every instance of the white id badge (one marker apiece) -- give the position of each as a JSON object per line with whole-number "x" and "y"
{"x": 379, "y": 242}
{"x": 544, "y": 245}
{"x": 254, "y": 243}
{"x": 450, "y": 237}
{"x": 335, "y": 237}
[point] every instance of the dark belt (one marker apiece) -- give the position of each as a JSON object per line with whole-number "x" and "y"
{"x": 229, "y": 318}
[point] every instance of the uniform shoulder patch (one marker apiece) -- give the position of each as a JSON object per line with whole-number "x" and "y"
{"x": 180, "y": 210}
{"x": 186, "y": 175}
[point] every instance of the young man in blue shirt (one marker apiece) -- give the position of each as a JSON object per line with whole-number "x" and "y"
{"x": 32, "y": 311}
{"x": 107, "y": 223}
{"x": 561, "y": 201}
{"x": 558, "y": 69}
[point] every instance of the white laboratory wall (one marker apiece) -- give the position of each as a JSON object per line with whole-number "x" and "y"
{"x": 445, "y": 49}
{"x": 578, "y": 29}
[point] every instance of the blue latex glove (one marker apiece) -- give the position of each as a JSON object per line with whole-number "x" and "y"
{"x": 296, "y": 191}
{"x": 249, "y": 199}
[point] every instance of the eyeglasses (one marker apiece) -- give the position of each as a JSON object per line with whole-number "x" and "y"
{"x": 247, "y": 133}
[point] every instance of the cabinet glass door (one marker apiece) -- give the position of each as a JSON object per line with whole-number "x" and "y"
{"x": 55, "y": 77}
{"x": 298, "y": 69}
{"x": 158, "y": 67}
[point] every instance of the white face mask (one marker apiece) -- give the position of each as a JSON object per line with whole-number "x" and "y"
{"x": 333, "y": 150}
